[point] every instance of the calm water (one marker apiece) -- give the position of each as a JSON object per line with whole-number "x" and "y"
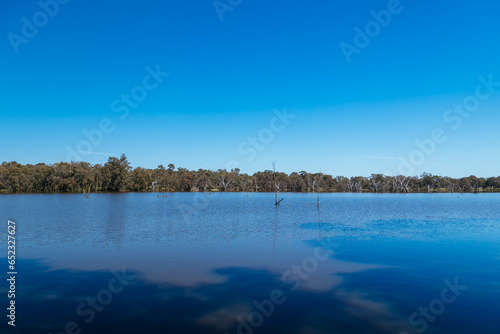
{"x": 196, "y": 263}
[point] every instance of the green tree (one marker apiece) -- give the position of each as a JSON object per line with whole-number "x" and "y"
{"x": 114, "y": 173}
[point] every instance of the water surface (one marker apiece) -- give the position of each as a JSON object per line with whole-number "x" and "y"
{"x": 197, "y": 263}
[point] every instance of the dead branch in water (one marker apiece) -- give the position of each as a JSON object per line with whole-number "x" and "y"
{"x": 278, "y": 183}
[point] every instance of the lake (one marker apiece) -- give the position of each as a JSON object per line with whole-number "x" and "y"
{"x": 233, "y": 263}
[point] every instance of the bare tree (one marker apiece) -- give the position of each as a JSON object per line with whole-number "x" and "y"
{"x": 206, "y": 184}
{"x": 88, "y": 183}
{"x": 86, "y": 191}
{"x": 195, "y": 181}
{"x": 375, "y": 185}
{"x": 245, "y": 183}
{"x": 278, "y": 183}
{"x": 224, "y": 180}
{"x": 377, "y": 182}
{"x": 315, "y": 184}
{"x": 401, "y": 184}
{"x": 153, "y": 184}
{"x": 311, "y": 181}
{"x": 203, "y": 179}
{"x": 355, "y": 184}
{"x": 451, "y": 185}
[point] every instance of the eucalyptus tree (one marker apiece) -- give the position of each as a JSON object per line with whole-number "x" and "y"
{"x": 115, "y": 173}
{"x": 377, "y": 182}
{"x": 224, "y": 179}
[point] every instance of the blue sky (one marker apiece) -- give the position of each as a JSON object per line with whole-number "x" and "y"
{"x": 226, "y": 78}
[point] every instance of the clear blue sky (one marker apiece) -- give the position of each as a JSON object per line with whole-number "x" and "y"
{"x": 226, "y": 78}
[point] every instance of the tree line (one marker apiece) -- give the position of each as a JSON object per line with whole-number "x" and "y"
{"x": 116, "y": 175}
